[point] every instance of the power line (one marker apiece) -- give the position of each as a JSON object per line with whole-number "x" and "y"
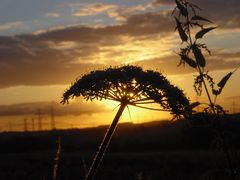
{"x": 33, "y": 124}
{"x": 25, "y": 124}
{"x": 39, "y": 120}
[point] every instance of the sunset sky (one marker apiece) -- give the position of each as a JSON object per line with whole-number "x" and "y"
{"x": 45, "y": 45}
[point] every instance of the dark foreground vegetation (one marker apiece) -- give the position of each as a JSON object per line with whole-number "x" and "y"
{"x": 157, "y": 150}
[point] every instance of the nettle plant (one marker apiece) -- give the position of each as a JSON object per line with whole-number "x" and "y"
{"x": 191, "y": 53}
{"x": 191, "y": 28}
{"x": 128, "y": 85}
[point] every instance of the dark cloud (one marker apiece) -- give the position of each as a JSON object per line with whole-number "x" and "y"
{"x": 25, "y": 61}
{"x": 224, "y": 13}
{"x": 45, "y": 108}
{"x": 59, "y": 56}
{"x": 135, "y": 25}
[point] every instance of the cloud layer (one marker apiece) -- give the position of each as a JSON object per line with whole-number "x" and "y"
{"x": 147, "y": 38}
{"x": 46, "y": 108}
{"x": 59, "y": 56}
{"x": 224, "y": 13}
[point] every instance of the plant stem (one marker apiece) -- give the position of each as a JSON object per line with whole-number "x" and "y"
{"x": 199, "y": 69}
{"x": 222, "y": 136}
{"x": 56, "y": 160}
{"x": 207, "y": 92}
{"x": 98, "y": 158}
{"x": 212, "y": 104}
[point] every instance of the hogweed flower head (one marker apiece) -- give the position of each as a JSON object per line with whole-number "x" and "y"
{"x": 130, "y": 85}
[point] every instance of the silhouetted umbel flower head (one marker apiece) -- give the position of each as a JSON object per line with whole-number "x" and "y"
{"x": 130, "y": 85}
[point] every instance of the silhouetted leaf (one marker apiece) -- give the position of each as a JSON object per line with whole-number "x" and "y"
{"x": 189, "y": 61}
{"x": 196, "y": 17}
{"x": 181, "y": 32}
{"x": 202, "y": 32}
{"x": 195, "y": 104}
{"x": 198, "y": 81}
{"x": 199, "y": 56}
{"x": 182, "y": 9}
{"x": 193, "y": 6}
{"x": 209, "y": 79}
{"x": 224, "y": 80}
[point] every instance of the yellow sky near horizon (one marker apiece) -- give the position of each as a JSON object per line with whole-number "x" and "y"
{"x": 133, "y": 114}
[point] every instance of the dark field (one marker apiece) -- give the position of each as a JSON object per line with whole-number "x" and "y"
{"x": 159, "y": 150}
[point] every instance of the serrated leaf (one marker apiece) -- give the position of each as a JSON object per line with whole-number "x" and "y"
{"x": 198, "y": 56}
{"x": 196, "y": 17}
{"x": 202, "y": 32}
{"x": 224, "y": 80}
{"x": 195, "y": 104}
{"x": 189, "y": 61}
{"x": 182, "y": 9}
{"x": 181, "y": 32}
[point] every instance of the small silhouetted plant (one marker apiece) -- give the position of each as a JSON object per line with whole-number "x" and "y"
{"x": 191, "y": 53}
{"x": 128, "y": 85}
{"x": 57, "y": 160}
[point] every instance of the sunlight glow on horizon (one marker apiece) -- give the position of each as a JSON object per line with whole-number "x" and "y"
{"x": 131, "y": 114}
